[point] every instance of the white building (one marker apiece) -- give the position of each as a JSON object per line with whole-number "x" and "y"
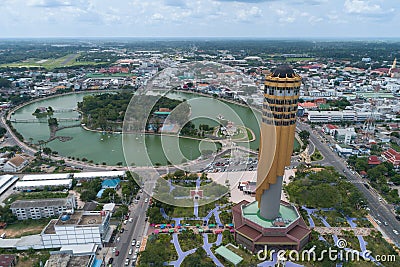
{"x": 345, "y": 135}
{"x": 6, "y": 181}
{"x": 93, "y": 175}
{"x": 15, "y": 164}
{"x": 41, "y": 177}
{"x": 42, "y": 208}
{"x": 338, "y": 116}
{"x": 82, "y": 227}
{"x": 42, "y": 184}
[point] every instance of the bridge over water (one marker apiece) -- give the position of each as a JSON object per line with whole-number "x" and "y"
{"x": 42, "y": 121}
{"x": 63, "y": 110}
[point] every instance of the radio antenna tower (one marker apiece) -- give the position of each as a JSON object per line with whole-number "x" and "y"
{"x": 369, "y": 125}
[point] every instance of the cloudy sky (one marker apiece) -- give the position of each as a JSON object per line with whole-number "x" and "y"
{"x": 202, "y": 18}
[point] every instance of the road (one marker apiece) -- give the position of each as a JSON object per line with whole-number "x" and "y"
{"x": 378, "y": 209}
{"x": 135, "y": 229}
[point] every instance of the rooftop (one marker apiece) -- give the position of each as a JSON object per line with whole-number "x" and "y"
{"x": 286, "y": 212}
{"x": 229, "y": 255}
{"x": 67, "y": 260}
{"x": 82, "y": 175}
{"x": 36, "y": 203}
{"x": 82, "y": 218}
{"x": 52, "y": 176}
{"x": 284, "y": 71}
{"x": 17, "y": 161}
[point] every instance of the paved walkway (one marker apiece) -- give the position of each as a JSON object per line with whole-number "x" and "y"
{"x": 207, "y": 247}
{"x": 309, "y": 212}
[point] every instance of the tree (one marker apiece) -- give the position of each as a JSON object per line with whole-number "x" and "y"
{"x": 304, "y": 135}
{"x": 6, "y": 215}
{"x": 375, "y": 173}
{"x": 88, "y": 195}
{"x": 361, "y": 164}
{"x": 47, "y": 151}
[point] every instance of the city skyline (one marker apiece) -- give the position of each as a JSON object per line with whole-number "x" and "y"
{"x": 208, "y": 18}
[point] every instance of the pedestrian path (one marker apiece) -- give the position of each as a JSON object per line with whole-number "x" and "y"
{"x": 207, "y": 247}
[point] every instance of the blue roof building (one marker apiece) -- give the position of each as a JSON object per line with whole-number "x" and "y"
{"x": 110, "y": 183}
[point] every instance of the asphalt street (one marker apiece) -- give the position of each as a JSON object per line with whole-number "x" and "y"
{"x": 135, "y": 229}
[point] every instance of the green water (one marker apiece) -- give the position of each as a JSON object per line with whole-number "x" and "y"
{"x": 107, "y": 148}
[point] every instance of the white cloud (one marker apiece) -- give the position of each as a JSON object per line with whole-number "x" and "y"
{"x": 198, "y": 18}
{"x": 49, "y": 3}
{"x": 248, "y": 14}
{"x": 361, "y": 6}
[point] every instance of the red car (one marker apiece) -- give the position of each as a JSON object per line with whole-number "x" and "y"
{"x": 116, "y": 252}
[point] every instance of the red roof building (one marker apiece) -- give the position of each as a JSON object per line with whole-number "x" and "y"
{"x": 392, "y": 156}
{"x": 373, "y": 160}
{"x": 255, "y": 236}
{"x": 308, "y": 105}
{"x": 7, "y": 260}
{"x": 329, "y": 129}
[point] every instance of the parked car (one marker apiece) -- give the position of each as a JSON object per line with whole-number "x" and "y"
{"x": 116, "y": 252}
{"x": 111, "y": 260}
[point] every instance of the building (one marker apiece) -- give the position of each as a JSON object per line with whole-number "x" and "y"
{"x": 329, "y": 129}
{"x": 392, "y": 156}
{"x": 15, "y": 164}
{"x": 108, "y": 183}
{"x": 51, "y": 176}
{"x": 82, "y": 227}
{"x": 268, "y": 220}
{"x": 373, "y": 161}
{"x": 45, "y": 184}
{"x": 344, "y": 150}
{"x": 6, "y": 181}
{"x": 105, "y": 174}
{"x": 8, "y": 260}
{"x": 42, "y": 208}
{"x": 345, "y": 136}
{"x": 338, "y": 116}
{"x": 74, "y": 255}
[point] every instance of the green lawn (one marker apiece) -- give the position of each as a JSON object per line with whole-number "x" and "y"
{"x": 334, "y": 218}
{"x": 51, "y": 63}
{"x": 189, "y": 240}
{"x": 26, "y": 227}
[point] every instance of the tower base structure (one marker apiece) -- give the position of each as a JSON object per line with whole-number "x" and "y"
{"x": 287, "y": 231}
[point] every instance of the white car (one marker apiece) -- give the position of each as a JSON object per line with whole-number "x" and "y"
{"x": 126, "y": 261}
{"x": 131, "y": 219}
{"x": 114, "y": 249}
{"x": 130, "y": 251}
{"x": 146, "y": 200}
{"x": 138, "y": 244}
{"x": 395, "y": 232}
{"x": 126, "y": 221}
